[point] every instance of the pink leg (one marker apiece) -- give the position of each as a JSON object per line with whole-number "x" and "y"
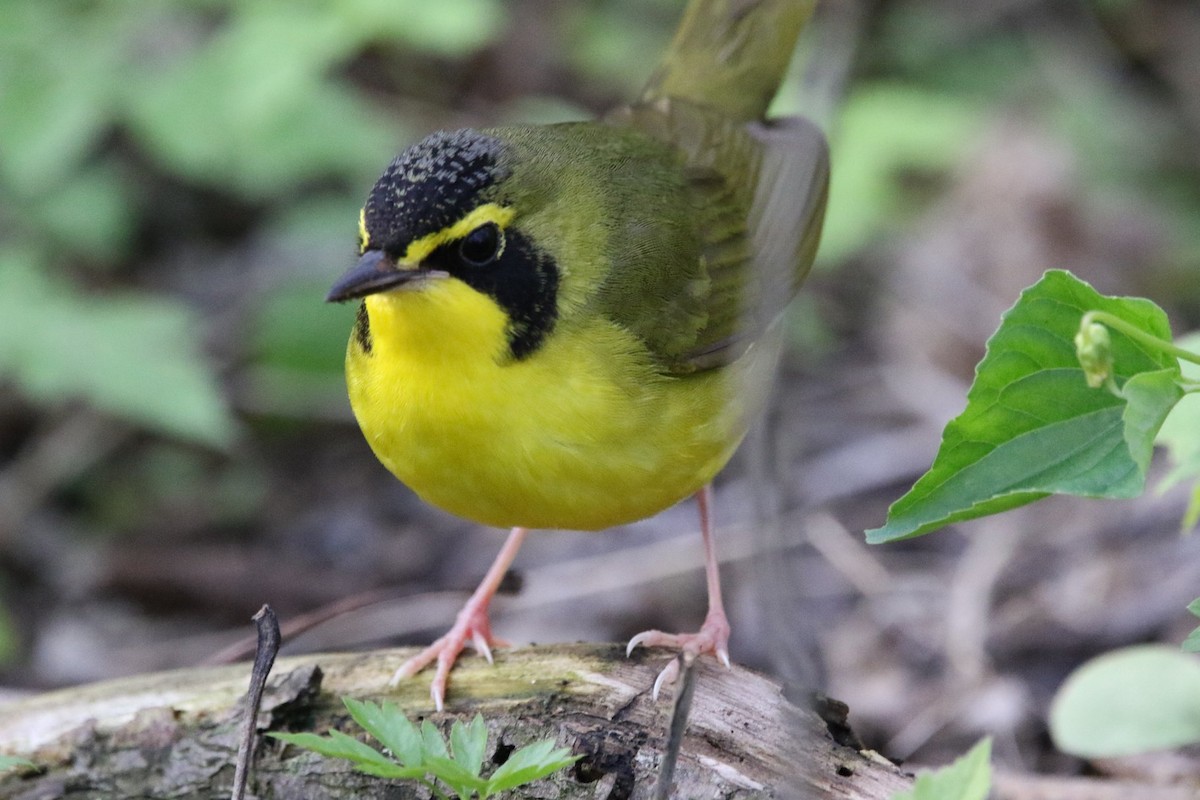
{"x": 713, "y": 636}
{"x": 471, "y": 625}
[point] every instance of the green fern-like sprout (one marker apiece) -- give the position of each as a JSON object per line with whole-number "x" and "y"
{"x": 421, "y": 754}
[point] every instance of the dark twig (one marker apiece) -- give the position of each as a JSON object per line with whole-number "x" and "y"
{"x": 264, "y": 659}
{"x": 686, "y": 684}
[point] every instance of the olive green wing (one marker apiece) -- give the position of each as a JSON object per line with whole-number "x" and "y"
{"x": 755, "y": 199}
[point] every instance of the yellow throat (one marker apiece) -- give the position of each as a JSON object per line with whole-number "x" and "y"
{"x": 584, "y": 435}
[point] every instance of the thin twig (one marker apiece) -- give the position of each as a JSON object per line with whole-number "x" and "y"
{"x": 264, "y": 658}
{"x": 686, "y": 684}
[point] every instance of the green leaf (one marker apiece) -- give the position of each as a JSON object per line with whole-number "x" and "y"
{"x": 1149, "y": 399}
{"x": 886, "y": 132}
{"x": 1192, "y": 643}
{"x": 425, "y": 754}
{"x": 61, "y": 76}
{"x": 1191, "y": 517}
{"x": 469, "y": 742}
{"x": 12, "y": 762}
{"x": 529, "y": 763}
{"x": 608, "y": 50}
{"x": 967, "y": 778}
{"x": 1129, "y": 701}
{"x": 1032, "y": 427}
{"x": 295, "y": 329}
{"x": 364, "y": 757}
{"x": 388, "y": 724}
{"x": 1180, "y": 434}
{"x": 135, "y": 356}
{"x": 253, "y": 106}
{"x": 455, "y": 776}
{"x": 431, "y": 737}
{"x": 386, "y": 768}
{"x": 335, "y": 745}
{"x": 452, "y": 28}
{"x": 91, "y": 214}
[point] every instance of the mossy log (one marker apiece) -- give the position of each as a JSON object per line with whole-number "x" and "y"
{"x": 175, "y": 734}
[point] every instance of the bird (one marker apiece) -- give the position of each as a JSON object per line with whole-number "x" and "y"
{"x": 567, "y": 326}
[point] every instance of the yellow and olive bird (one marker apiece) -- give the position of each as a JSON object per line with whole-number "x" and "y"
{"x": 559, "y": 323}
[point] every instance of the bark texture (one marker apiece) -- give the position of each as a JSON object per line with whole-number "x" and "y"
{"x": 174, "y": 735}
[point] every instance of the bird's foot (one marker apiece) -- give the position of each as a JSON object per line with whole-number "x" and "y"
{"x": 713, "y": 637}
{"x": 472, "y": 627}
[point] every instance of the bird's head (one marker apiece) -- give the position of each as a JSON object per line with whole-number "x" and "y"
{"x": 444, "y": 211}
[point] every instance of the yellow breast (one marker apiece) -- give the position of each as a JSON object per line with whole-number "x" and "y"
{"x": 582, "y": 434}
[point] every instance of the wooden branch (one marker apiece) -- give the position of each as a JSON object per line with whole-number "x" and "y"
{"x": 174, "y": 735}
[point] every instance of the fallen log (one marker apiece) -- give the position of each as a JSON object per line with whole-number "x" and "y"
{"x": 175, "y": 734}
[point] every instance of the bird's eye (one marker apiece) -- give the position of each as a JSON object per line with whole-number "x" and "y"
{"x": 481, "y": 246}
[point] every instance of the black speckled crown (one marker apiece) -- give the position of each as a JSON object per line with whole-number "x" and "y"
{"x": 430, "y": 186}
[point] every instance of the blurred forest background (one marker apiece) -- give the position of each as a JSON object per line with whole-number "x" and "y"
{"x": 179, "y": 186}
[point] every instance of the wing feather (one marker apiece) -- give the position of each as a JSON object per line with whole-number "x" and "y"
{"x": 757, "y": 193}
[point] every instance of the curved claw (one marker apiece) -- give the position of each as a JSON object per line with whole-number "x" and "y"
{"x": 473, "y": 628}
{"x": 480, "y": 643}
{"x": 640, "y": 639}
{"x": 713, "y": 637}
{"x": 470, "y": 626}
{"x": 669, "y": 674}
{"x": 437, "y": 687}
{"x": 416, "y": 663}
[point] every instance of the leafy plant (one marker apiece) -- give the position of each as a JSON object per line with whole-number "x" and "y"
{"x": 423, "y": 755}
{"x": 1132, "y": 700}
{"x": 1034, "y": 426}
{"x": 1051, "y": 412}
{"x": 132, "y": 355}
{"x": 967, "y": 778}
{"x": 105, "y": 104}
{"x": 1180, "y": 434}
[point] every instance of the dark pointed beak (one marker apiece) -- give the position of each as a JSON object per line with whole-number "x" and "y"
{"x": 375, "y": 272}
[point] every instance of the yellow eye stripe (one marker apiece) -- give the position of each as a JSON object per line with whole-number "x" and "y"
{"x": 419, "y": 249}
{"x": 362, "y": 231}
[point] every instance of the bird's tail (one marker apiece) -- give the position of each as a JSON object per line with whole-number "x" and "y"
{"x": 730, "y": 55}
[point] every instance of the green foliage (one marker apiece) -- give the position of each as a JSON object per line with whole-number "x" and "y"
{"x": 231, "y": 111}
{"x": 1032, "y": 425}
{"x": 417, "y": 753}
{"x": 247, "y": 99}
{"x": 887, "y": 132}
{"x": 133, "y": 356}
{"x": 12, "y": 762}
{"x": 10, "y": 633}
{"x": 294, "y": 332}
{"x": 606, "y": 47}
{"x": 1180, "y": 434}
{"x": 968, "y": 778}
{"x": 251, "y": 103}
{"x": 297, "y": 348}
{"x": 1129, "y": 701}
{"x": 1192, "y": 643}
